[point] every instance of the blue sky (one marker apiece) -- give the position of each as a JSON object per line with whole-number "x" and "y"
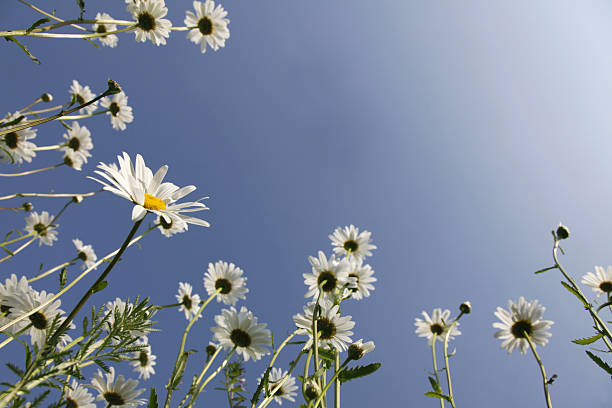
{"x": 458, "y": 134}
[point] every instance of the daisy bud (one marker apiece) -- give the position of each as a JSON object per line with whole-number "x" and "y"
{"x": 358, "y": 349}
{"x": 465, "y": 307}
{"x": 210, "y": 349}
{"x": 312, "y": 390}
{"x": 77, "y": 199}
{"x": 562, "y": 232}
{"x": 46, "y": 97}
{"x": 27, "y": 207}
{"x": 113, "y": 87}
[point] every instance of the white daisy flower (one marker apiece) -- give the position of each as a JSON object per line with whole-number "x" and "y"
{"x": 335, "y": 330}
{"x": 190, "y": 304}
{"x": 120, "y": 393}
{"x": 12, "y": 288}
{"x": 147, "y": 192}
{"x": 240, "y": 329}
{"x": 83, "y": 94}
{"x": 85, "y": 254}
{"x": 119, "y": 111}
{"x": 600, "y": 281}
{"x": 358, "y": 349}
{"x": 144, "y": 359}
{"x": 211, "y": 25}
{"x": 437, "y": 324}
{"x": 168, "y": 229}
{"x": 40, "y": 224}
{"x": 362, "y": 280}
{"x": 77, "y": 396}
{"x": 334, "y": 272}
{"x": 78, "y": 142}
{"x": 228, "y": 278}
{"x": 520, "y": 318}
{"x": 151, "y": 25}
{"x": 106, "y": 40}
{"x": 349, "y": 241}
{"x": 287, "y": 391}
{"x": 16, "y": 146}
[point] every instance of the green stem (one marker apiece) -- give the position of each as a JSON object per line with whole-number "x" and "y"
{"x": 18, "y": 250}
{"x": 44, "y": 13}
{"x": 74, "y": 117}
{"x": 435, "y": 365}
{"x": 39, "y": 32}
{"x": 41, "y": 148}
{"x": 26, "y": 173}
{"x": 542, "y": 370}
{"x": 446, "y": 364}
{"x": 210, "y": 377}
{"x": 331, "y": 380}
{"x": 50, "y": 271}
{"x": 8, "y": 197}
{"x": 337, "y": 381}
{"x": 280, "y": 383}
{"x": 12, "y": 241}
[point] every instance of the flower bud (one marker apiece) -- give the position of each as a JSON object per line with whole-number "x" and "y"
{"x": 77, "y": 199}
{"x": 210, "y": 349}
{"x": 563, "y": 232}
{"x": 27, "y": 207}
{"x": 46, "y": 97}
{"x": 465, "y": 307}
{"x": 113, "y": 87}
{"x": 358, "y": 349}
{"x": 312, "y": 390}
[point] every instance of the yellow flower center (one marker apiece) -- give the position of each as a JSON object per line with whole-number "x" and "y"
{"x": 153, "y": 203}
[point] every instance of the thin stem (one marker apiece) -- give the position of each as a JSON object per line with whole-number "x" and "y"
{"x": 336, "y": 381}
{"x": 74, "y": 117}
{"x": 44, "y": 13}
{"x": 49, "y": 195}
{"x": 282, "y": 345}
{"x": 18, "y": 250}
{"x": 435, "y": 365}
{"x": 331, "y": 380}
{"x": 167, "y": 306}
{"x": 446, "y": 364}
{"x": 45, "y": 110}
{"x": 30, "y": 105}
{"x": 542, "y": 370}
{"x": 50, "y": 271}
{"x": 39, "y": 33}
{"x": 278, "y": 385}
{"x": 210, "y": 377}
{"x": 26, "y": 173}
{"x": 41, "y": 148}
{"x": 12, "y": 241}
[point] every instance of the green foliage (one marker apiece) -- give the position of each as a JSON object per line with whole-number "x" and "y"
{"x": 357, "y": 372}
{"x": 575, "y": 293}
{"x": 437, "y": 395}
{"x": 587, "y": 340}
{"x": 608, "y": 303}
{"x": 37, "y": 23}
{"x": 434, "y": 384}
{"x": 604, "y": 366}
{"x": 152, "y": 399}
{"x": 234, "y": 384}
{"x": 23, "y": 47}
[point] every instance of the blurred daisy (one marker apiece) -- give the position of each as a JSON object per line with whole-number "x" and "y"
{"x": 118, "y": 110}
{"x": 168, "y": 229}
{"x": 77, "y": 396}
{"x": 83, "y": 94}
{"x": 335, "y": 330}
{"x": 116, "y": 392}
{"x": 144, "y": 359}
{"x": 148, "y": 14}
{"x": 78, "y": 142}
{"x": 288, "y": 390}
{"x": 241, "y": 330}
{"x": 349, "y": 240}
{"x": 189, "y": 303}
{"x": 85, "y": 254}
{"x": 106, "y": 40}
{"x": 211, "y": 25}
{"x": 138, "y": 185}
{"x": 520, "y": 318}
{"x": 228, "y": 278}
{"x": 40, "y": 225}
{"x": 358, "y": 349}
{"x": 333, "y": 272}
{"x": 362, "y": 280}
{"x": 600, "y": 281}
{"x": 16, "y": 146}
{"x": 436, "y": 324}
{"x": 12, "y": 288}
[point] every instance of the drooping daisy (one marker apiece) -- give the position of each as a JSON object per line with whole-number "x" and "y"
{"x": 138, "y": 185}
{"x": 349, "y": 241}
{"x": 241, "y": 329}
{"x": 437, "y": 324}
{"x": 109, "y": 40}
{"x": 151, "y": 25}
{"x": 333, "y": 272}
{"x": 77, "y": 396}
{"x": 168, "y": 229}
{"x": 600, "y": 281}
{"x": 85, "y": 254}
{"x": 358, "y": 349}
{"x": 362, "y": 275}
{"x": 334, "y": 330}
{"x": 288, "y": 390}
{"x": 78, "y": 142}
{"x": 117, "y": 393}
{"x": 520, "y": 318}
{"x": 228, "y": 278}
{"x": 12, "y": 288}
{"x": 119, "y": 111}
{"x": 211, "y": 25}
{"x": 83, "y": 94}
{"x": 144, "y": 359}
{"x": 40, "y": 225}
{"x": 189, "y": 303}
{"x": 16, "y": 146}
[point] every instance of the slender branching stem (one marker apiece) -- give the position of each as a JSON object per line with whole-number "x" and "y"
{"x": 27, "y": 173}
{"x": 51, "y": 147}
{"x": 435, "y": 364}
{"x": 282, "y": 345}
{"x": 542, "y": 370}
{"x": 210, "y": 377}
{"x": 337, "y": 380}
{"x": 49, "y": 195}
{"x": 89, "y": 115}
{"x": 51, "y": 16}
{"x": 280, "y": 383}
{"x": 21, "y": 238}
{"x": 447, "y": 366}
{"x": 331, "y": 381}
{"x": 50, "y": 271}
{"x": 18, "y": 250}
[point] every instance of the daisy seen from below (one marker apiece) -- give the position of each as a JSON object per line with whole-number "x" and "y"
{"x": 241, "y": 330}
{"x": 85, "y": 254}
{"x": 363, "y": 279}
{"x": 168, "y": 229}
{"x": 333, "y": 272}
{"x": 118, "y": 110}
{"x": 228, "y": 278}
{"x": 109, "y": 40}
{"x": 348, "y": 241}
{"x": 190, "y": 303}
{"x": 40, "y": 225}
{"x": 16, "y": 146}
{"x": 83, "y": 94}
{"x": 150, "y": 24}
{"x": 437, "y": 324}
{"x": 211, "y": 25}
{"x": 288, "y": 390}
{"x": 358, "y": 349}
{"x": 116, "y": 392}
{"x": 137, "y": 184}
{"x": 12, "y": 288}
{"x": 335, "y": 330}
{"x": 144, "y": 360}
{"x": 600, "y": 281}
{"x": 77, "y": 396}
{"x": 78, "y": 142}
{"x": 522, "y": 318}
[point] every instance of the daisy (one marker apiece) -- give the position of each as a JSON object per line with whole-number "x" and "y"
{"x": 144, "y": 359}
{"x": 78, "y": 142}
{"x": 437, "y": 324}
{"x": 83, "y": 94}
{"x": 168, "y": 229}
{"x": 350, "y": 242}
{"x": 16, "y": 146}
{"x": 116, "y": 393}
{"x": 287, "y": 391}
{"x": 118, "y": 110}
{"x": 335, "y": 330}
{"x": 228, "y": 278}
{"x": 600, "y": 281}
{"x": 148, "y": 15}
{"x": 85, "y": 254}
{"x": 362, "y": 275}
{"x": 211, "y": 25}
{"x": 78, "y": 396}
{"x": 40, "y": 225}
{"x": 333, "y": 272}
{"x": 12, "y": 288}
{"x": 521, "y": 318}
{"x": 241, "y": 330}
{"x": 358, "y": 349}
{"x": 189, "y": 303}
{"x": 106, "y": 40}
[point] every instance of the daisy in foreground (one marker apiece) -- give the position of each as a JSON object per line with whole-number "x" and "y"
{"x": 350, "y": 242}
{"x": 522, "y": 319}
{"x": 437, "y": 324}
{"x": 331, "y": 271}
{"x": 241, "y": 330}
{"x": 600, "y": 281}
{"x": 287, "y": 391}
{"x": 335, "y": 330}
{"x": 211, "y": 25}
{"x": 228, "y": 278}
{"x": 138, "y": 185}
{"x": 116, "y": 393}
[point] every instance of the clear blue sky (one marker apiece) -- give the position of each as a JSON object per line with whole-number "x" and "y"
{"x": 458, "y": 133}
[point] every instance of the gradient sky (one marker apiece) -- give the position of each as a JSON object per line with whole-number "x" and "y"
{"x": 459, "y": 133}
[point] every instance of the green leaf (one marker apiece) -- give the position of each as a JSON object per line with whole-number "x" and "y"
{"x": 81, "y": 4}
{"x": 437, "y": 395}
{"x": 62, "y": 278}
{"x": 23, "y": 47}
{"x": 100, "y": 286}
{"x": 12, "y": 122}
{"x": 326, "y": 354}
{"x": 37, "y": 23}
{"x": 608, "y": 303}
{"x": 587, "y": 340}
{"x": 434, "y": 384}
{"x": 356, "y": 372}
{"x": 600, "y": 362}
{"x": 152, "y": 399}
{"x": 575, "y": 292}
{"x": 545, "y": 269}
